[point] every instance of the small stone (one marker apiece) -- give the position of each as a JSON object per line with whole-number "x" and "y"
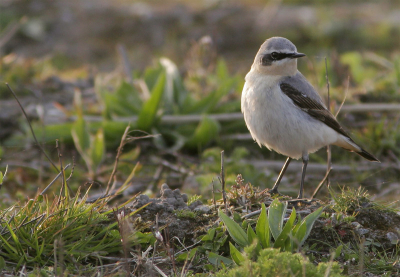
{"x": 356, "y": 225}
{"x": 203, "y": 209}
{"x": 333, "y": 219}
{"x": 185, "y": 197}
{"x": 362, "y": 231}
{"x": 392, "y": 237}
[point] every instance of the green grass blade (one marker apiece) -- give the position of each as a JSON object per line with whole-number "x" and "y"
{"x": 97, "y": 150}
{"x": 276, "y": 214}
{"x": 284, "y": 235}
{"x": 80, "y": 135}
{"x": 148, "y": 113}
{"x": 262, "y": 228}
{"x": 11, "y": 250}
{"x": 303, "y": 231}
{"x": 216, "y": 259}
{"x": 237, "y": 257}
{"x": 234, "y": 229}
{"x": 128, "y": 98}
{"x": 251, "y": 236}
{"x": 206, "y": 131}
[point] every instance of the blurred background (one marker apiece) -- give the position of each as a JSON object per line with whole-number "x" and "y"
{"x": 174, "y": 70}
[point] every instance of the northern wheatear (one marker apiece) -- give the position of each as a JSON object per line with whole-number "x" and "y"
{"x": 283, "y": 111}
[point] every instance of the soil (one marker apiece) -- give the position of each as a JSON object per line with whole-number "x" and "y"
{"x": 186, "y": 223}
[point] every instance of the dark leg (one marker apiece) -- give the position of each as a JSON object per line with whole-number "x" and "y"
{"x": 274, "y": 190}
{"x": 303, "y": 174}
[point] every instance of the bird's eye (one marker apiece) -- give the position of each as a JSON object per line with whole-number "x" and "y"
{"x": 274, "y": 55}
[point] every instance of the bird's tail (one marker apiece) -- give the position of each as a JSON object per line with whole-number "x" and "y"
{"x": 349, "y": 144}
{"x": 367, "y": 155}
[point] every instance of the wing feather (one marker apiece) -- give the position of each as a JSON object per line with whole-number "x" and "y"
{"x": 312, "y": 107}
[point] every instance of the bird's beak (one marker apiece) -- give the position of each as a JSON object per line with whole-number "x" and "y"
{"x": 297, "y": 55}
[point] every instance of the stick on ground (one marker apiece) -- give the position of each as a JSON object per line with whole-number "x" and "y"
{"x": 30, "y": 126}
{"x": 223, "y": 182}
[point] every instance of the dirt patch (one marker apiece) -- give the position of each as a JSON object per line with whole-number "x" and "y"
{"x": 380, "y": 220}
{"x": 173, "y": 215}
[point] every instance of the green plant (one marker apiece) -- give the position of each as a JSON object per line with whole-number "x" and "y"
{"x": 193, "y": 198}
{"x": 32, "y": 234}
{"x": 273, "y": 263}
{"x": 213, "y": 240}
{"x": 288, "y": 237}
{"x": 3, "y": 175}
{"x": 213, "y": 245}
{"x": 185, "y": 214}
{"x": 349, "y": 200}
{"x": 160, "y": 90}
{"x": 90, "y": 147}
{"x": 385, "y": 134}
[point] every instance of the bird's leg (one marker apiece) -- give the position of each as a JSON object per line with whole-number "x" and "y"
{"x": 274, "y": 190}
{"x": 303, "y": 174}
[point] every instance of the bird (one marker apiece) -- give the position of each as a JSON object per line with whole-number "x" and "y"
{"x": 284, "y": 112}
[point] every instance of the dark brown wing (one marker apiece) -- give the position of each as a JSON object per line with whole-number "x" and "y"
{"x": 312, "y": 107}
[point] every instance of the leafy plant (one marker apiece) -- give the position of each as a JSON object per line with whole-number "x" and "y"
{"x": 90, "y": 147}
{"x": 273, "y": 263}
{"x": 288, "y": 237}
{"x": 159, "y": 91}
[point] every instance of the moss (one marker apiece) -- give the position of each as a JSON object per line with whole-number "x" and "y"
{"x": 272, "y": 262}
{"x": 185, "y": 214}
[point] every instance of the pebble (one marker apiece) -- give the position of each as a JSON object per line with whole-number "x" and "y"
{"x": 362, "y": 231}
{"x": 392, "y": 237}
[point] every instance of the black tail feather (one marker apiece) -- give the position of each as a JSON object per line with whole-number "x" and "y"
{"x": 367, "y": 156}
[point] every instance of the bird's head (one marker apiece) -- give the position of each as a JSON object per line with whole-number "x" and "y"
{"x": 277, "y": 56}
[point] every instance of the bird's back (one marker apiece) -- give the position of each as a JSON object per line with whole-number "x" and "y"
{"x": 300, "y": 82}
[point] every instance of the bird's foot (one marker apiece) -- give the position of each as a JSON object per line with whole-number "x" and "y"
{"x": 274, "y": 192}
{"x": 300, "y": 201}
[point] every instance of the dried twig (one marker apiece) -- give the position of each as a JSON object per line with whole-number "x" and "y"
{"x": 119, "y": 151}
{"x": 30, "y": 126}
{"x": 55, "y": 179}
{"x": 65, "y": 186}
{"x": 316, "y": 191}
{"x": 223, "y": 182}
{"x": 213, "y": 193}
{"x": 72, "y": 169}
{"x": 345, "y": 96}
{"x": 11, "y": 30}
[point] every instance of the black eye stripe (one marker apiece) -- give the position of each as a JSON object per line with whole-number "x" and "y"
{"x": 279, "y": 56}
{"x": 268, "y": 59}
